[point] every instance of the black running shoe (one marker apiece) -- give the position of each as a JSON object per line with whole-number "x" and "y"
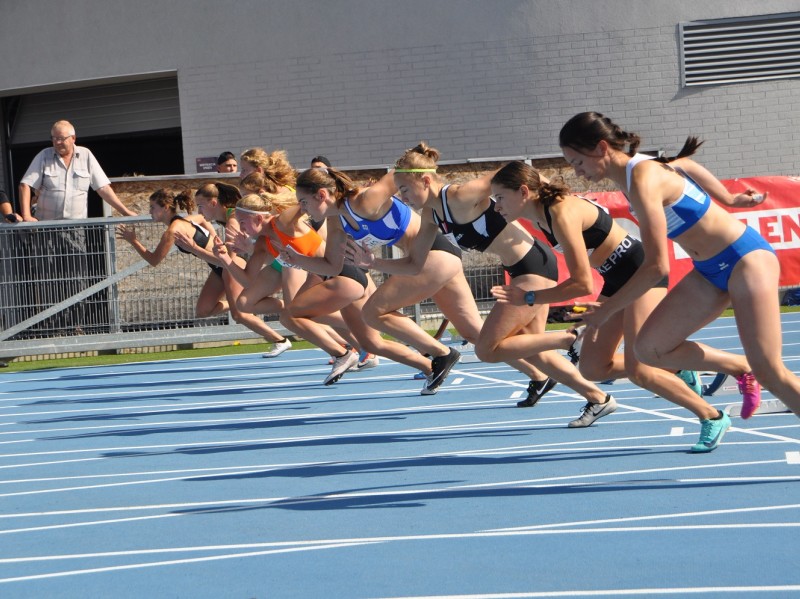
{"x": 440, "y": 368}
{"x": 536, "y": 390}
{"x": 574, "y": 351}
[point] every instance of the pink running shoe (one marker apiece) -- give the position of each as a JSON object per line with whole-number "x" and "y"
{"x": 751, "y": 394}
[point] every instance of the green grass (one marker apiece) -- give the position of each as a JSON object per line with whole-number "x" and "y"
{"x": 223, "y": 350}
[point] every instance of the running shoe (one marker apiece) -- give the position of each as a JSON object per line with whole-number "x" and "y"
{"x": 751, "y": 394}
{"x": 536, "y": 390}
{"x": 711, "y": 433}
{"x": 278, "y": 348}
{"x": 574, "y": 351}
{"x": 420, "y": 375}
{"x": 692, "y": 379}
{"x": 341, "y": 364}
{"x": 594, "y": 411}
{"x": 440, "y": 367}
{"x": 371, "y": 361}
{"x": 348, "y": 347}
{"x": 365, "y": 361}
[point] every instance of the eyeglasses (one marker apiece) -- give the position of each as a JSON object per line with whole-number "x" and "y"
{"x": 62, "y": 139}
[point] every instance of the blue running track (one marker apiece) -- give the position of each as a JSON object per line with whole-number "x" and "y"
{"x": 240, "y": 477}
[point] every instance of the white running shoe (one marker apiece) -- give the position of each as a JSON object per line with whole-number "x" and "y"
{"x": 592, "y": 411}
{"x": 366, "y": 361}
{"x": 278, "y": 348}
{"x": 341, "y": 364}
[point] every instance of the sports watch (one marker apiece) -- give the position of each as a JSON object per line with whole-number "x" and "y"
{"x": 530, "y": 297}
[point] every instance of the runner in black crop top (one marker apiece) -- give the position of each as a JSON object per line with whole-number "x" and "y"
{"x": 593, "y": 237}
{"x": 201, "y": 236}
{"x": 476, "y": 235}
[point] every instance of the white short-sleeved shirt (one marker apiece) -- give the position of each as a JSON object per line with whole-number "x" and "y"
{"x": 64, "y": 191}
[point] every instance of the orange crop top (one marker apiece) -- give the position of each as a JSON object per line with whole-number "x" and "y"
{"x": 306, "y": 244}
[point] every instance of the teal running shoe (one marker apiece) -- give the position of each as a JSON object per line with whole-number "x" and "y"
{"x": 692, "y": 379}
{"x": 711, "y": 433}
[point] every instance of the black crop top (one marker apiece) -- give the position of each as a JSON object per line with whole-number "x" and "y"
{"x": 593, "y": 237}
{"x": 200, "y": 237}
{"x": 476, "y": 235}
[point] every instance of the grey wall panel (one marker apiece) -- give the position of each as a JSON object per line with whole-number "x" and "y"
{"x": 360, "y": 80}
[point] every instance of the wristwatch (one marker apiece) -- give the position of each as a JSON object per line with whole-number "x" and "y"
{"x": 530, "y": 297}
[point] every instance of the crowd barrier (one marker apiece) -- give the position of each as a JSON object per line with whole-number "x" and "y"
{"x": 71, "y": 286}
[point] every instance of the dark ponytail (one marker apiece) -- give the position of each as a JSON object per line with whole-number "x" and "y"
{"x": 517, "y": 173}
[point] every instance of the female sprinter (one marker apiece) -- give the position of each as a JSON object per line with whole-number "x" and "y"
{"x": 272, "y": 173}
{"x": 465, "y": 213}
{"x": 217, "y": 202}
{"x": 589, "y": 238}
{"x": 372, "y": 216}
{"x": 281, "y": 231}
{"x": 733, "y": 265}
{"x": 164, "y": 208}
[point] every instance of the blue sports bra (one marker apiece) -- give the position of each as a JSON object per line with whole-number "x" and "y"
{"x": 387, "y": 230}
{"x": 476, "y": 235}
{"x": 687, "y": 210}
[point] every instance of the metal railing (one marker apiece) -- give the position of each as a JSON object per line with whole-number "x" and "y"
{"x": 71, "y": 286}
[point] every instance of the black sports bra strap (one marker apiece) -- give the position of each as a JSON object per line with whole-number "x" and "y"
{"x": 446, "y": 210}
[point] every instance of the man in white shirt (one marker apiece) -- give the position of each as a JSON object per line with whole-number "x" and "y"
{"x": 69, "y": 258}
{"x": 63, "y": 175}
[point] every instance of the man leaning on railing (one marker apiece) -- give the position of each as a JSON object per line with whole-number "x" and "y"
{"x": 66, "y": 259}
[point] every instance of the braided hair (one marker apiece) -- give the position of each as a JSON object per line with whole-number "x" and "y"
{"x": 585, "y": 130}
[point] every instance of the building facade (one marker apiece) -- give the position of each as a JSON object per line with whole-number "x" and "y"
{"x": 168, "y": 83}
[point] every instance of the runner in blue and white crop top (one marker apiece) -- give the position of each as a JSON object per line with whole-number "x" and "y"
{"x": 476, "y": 235}
{"x": 387, "y": 230}
{"x": 684, "y": 212}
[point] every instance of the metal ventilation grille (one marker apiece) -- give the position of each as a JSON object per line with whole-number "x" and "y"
{"x": 736, "y": 50}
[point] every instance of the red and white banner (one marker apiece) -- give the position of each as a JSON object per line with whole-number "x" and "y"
{"x": 777, "y": 219}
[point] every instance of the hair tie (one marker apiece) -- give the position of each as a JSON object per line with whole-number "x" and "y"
{"x": 415, "y": 170}
{"x": 248, "y": 211}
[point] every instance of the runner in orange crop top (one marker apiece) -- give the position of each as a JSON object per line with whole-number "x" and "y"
{"x": 306, "y": 244}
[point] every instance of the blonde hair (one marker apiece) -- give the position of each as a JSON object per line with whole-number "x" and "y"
{"x": 421, "y": 156}
{"x": 272, "y": 203}
{"x": 274, "y": 166}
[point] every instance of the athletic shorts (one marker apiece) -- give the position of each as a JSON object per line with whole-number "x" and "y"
{"x": 353, "y": 272}
{"x": 442, "y": 244}
{"x": 718, "y": 269}
{"x": 622, "y": 264}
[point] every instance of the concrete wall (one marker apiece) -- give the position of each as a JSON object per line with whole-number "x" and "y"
{"x": 361, "y": 80}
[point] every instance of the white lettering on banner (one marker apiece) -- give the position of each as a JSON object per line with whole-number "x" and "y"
{"x": 780, "y": 227}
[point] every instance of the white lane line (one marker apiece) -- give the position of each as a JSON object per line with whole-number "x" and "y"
{"x": 370, "y": 541}
{"x": 793, "y": 457}
{"x": 122, "y": 427}
{"x": 172, "y": 562}
{"x": 679, "y": 591}
{"x": 170, "y": 406}
{"x": 676, "y": 431}
{"x": 667, "y": 516}
{"x": 547, "y": 482}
